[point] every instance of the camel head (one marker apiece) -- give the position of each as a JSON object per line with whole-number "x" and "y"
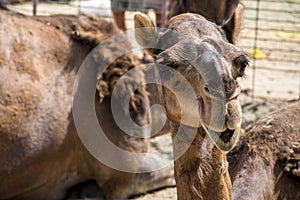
{"x": 200, "y": 86}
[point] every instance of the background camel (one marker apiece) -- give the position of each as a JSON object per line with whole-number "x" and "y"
{"x": 226, "y": 13}
{"x": 265, "y": 165}
{"x": 41, "y": 153}
{"x": 197, "y": 44}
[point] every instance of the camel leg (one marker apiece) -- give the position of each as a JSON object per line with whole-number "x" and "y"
{"x": 35, "y": 2}
{"x": 119, "y": 19}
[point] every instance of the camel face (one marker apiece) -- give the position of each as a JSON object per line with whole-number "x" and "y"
{"x": 198, "y": 51}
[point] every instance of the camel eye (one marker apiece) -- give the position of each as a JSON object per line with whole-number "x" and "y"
{"x": 241, "y": 62}
{"x": 243, "y": 68}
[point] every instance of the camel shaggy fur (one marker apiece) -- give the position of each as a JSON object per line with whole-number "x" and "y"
{"x": 198, "y": 50}
{"x": 42, "y": 156}
{"x": 266, "y": 163}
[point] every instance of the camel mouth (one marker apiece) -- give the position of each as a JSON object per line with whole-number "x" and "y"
{"x": 226, "y": 135}
{"x": 225, "y": 140}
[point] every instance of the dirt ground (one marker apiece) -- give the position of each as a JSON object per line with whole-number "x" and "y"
{"x": 253, "y": 108}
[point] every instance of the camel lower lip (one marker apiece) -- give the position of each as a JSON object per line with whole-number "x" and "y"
{"x": 224, "y": 140}
{"x": 226, "y": 135}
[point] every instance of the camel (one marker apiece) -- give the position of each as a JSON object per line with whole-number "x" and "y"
{"x": 227, "y": 14}
{"x": 42, "y": 156}
{"x": 265, "y": 163}
{"x": 197, "y": 49}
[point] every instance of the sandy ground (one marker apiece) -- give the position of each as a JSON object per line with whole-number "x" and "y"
{"x": 281, "y": 87}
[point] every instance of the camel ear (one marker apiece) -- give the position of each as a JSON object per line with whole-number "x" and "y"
{"x": 238, "y": 22}
{"x": 145, "y": 32}
{"x": 234, "y": 26}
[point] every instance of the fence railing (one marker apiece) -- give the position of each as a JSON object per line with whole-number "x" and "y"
{"x": 273, "y": 28}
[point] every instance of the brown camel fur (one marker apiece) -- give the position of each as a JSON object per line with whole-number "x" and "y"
{"x": 190, "y": 38}
{"x": 41, "y": 153}
{"x": 266, "y": 163}
{"x": 226, "y": 13}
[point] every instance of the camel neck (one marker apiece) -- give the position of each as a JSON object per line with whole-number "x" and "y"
{"x": 199, "y": 175}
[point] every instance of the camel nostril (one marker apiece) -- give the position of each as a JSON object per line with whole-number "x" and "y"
{"x": 214, "y": 92}
{"x": 226, "y": 135}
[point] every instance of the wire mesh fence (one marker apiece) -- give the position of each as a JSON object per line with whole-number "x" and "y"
{"x": 271, "y": 35}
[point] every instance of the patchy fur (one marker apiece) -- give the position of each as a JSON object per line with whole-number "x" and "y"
{"x": 269, "y": 154}
{"x": 91, "y": 31}
{"x": 290, "y": 159}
